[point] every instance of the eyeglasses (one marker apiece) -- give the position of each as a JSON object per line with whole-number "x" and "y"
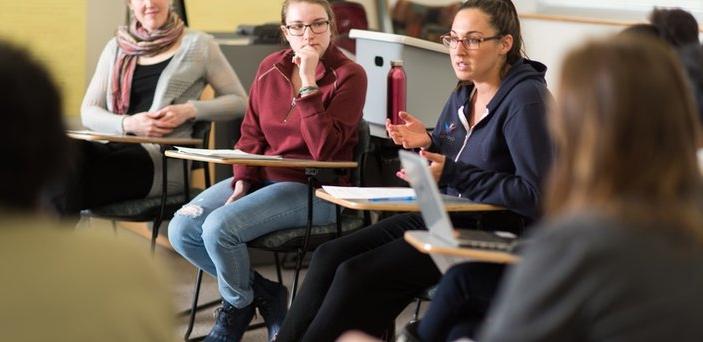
{"x": 470, "y": 43}
{"x": 317, "y": 27}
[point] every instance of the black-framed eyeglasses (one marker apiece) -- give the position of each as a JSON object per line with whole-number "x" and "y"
{"x": 470, "y": 43}
{"x": 317, "y": 27}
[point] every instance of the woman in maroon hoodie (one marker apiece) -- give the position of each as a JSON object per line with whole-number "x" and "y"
{"x": 305, "y": 103}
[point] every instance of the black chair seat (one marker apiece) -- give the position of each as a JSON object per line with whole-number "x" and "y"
{"x": 290, "y": 239}
{"x": 140, "y": 210}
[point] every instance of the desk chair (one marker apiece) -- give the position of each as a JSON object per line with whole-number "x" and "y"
{"x": 300, "y": 240}
{"x": 156, "y": 209}
{"x": 348, "y": 15}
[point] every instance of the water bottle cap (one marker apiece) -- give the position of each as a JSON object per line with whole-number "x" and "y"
{"x": 397, "y": 62}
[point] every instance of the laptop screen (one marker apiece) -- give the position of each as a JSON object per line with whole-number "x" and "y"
{"x": 428, "y": 196}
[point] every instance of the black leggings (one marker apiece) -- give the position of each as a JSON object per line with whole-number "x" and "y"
{"x": 103, "y": 174}
{"x": 360, "y": 281}
{"x": 461, "y": 302}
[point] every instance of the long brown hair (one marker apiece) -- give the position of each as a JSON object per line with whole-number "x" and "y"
{"x": 625, "y": 130}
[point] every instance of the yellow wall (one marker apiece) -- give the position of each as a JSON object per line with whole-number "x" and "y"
{"x": 225, "y": 15}
{"x": 54, "y": 32}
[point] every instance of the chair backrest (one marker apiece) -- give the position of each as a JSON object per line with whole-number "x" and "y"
{"x": 360, "y": 152}
{"x": 201, "y": 131}
{"x": 349, "y": 15}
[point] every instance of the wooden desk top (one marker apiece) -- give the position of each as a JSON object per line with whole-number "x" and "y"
{"x": 429, "y": 244}
{"x": 450, "y": 203}
{"x": 285, "y": 162}
{"x": 96, "y": 136}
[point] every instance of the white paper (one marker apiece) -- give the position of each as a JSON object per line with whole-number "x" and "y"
{"x": 89, "y": 132}
{"x": 225, "y": 153}
{"x": 355, "y": 192}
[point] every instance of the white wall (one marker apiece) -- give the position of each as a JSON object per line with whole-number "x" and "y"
{"x": 548, "y": 41}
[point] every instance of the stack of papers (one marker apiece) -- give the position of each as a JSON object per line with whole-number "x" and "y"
{"x": 370, "y": 193}
{"x": 225, "y": 153}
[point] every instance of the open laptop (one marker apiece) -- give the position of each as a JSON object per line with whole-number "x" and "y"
{"x": 435, "y": 215}
{"x": 428, "y": 197}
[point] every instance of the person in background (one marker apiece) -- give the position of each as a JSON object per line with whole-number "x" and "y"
{"x": 676, "y": 26}
{"x": 679, "y": 29}
{"x": 306, "y": 103}
{"x": 642, "y": 29}
{"x": 60, "y": 284}
{"x": 490, "y": 145}
{"x": 147, "y": 83}
{"x": 619, "y": 255}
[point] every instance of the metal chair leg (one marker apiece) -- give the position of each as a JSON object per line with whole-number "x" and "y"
{"x": 338, "y": 220}
{"x": 298, "y": 267}
{"x": 155, "y": 232}
{"x": 301, "y": 251}
{"x": 164, "y": 194}
{"x": 278, "y": 267}
{"x": 416, "y": 315}
{"x": 194, "y": 306}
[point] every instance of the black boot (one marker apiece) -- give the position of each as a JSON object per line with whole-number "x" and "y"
{"x": 231, "y": 323}
{"x": 271, "y": 298}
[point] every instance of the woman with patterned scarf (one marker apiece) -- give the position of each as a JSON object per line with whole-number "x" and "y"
{"x": 147, "y": 82}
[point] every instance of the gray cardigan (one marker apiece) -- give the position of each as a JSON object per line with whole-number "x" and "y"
{"x": 197, "y": 62}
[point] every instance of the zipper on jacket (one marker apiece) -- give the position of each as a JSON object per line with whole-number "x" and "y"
{"x": 292, "y": 106}
{"x": 292, "y": 94}
{"x": 466, "y": 140}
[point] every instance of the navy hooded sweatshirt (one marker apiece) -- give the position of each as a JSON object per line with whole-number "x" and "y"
{"x": 505, "y": 158}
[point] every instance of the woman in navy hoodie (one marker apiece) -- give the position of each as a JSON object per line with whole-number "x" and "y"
{"x": 490, "y": 145}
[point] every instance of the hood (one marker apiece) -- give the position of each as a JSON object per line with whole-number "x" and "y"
{"x": 522, "y": 70}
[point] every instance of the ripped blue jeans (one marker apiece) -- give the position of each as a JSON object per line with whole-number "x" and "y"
{"x": 213, "y": 236}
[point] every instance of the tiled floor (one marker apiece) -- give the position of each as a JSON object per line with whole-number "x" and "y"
{"x": 183, "y": 274}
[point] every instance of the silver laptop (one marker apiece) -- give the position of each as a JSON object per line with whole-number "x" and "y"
{"x": 428, "y": 196}
{"x": 435, "y": 214}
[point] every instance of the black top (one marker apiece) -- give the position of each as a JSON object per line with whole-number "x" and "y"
{"x": 144, "y": 85}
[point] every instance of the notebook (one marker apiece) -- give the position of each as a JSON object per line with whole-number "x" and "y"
{"x": 435, "y": 215}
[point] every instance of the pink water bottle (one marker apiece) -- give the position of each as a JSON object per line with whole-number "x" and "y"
{"x": 396, "y": 98}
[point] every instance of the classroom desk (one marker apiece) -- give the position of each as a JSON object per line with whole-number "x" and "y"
{"x": 284, "y": 162}
{"x": 442, "y": 253}
{"x": 451, "y": 203}
{"x": 134, "y": 139}
{"x": 445, "y": 255}
{"x": 165, "y": 144}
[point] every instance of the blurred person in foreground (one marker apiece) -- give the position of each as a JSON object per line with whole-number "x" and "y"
{"x": 619, "y": 255}
{"x": 60, "y": 284}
